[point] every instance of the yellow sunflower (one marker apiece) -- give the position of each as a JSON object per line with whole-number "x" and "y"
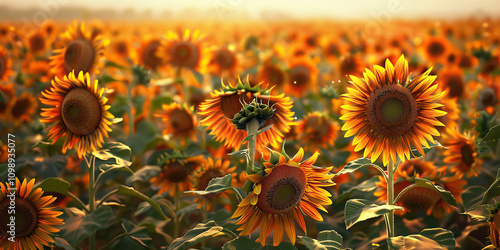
{"x": 289, "y": 189}
{"x": 78, "y": 109}
{"x": 83, "y": 52}
{"x": 184, "y": 52}
{"x": 5, "y": 65}
{"x": 176, "y": 173}
{"x": 35, "y": 219}
{"x": 147, "y": 54}
{"x": 179, "y": 121}
{"x": 389, "y": 112}
{"x": 211, "y": 169}
{"x": 461, "y": 155}
{"x": 224, "y": 104}
{"x": 317, "y": 131}
{"x": 224, "y": 60}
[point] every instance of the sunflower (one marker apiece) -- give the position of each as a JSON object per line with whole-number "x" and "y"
{"x": 317, "y": 131}
{"x": 147, "y": 54}
{"x": 288, "y": 189}
{"x": 461, "y": 155}
{"x": 224, "y": 60}
{"x": 83, "y": 52}
{"x": 119, "y": 51}
{"x": 35, "y": 219}
{"x": 23, "y": 108}
{"x": 494, "y": 220}
{"x": 272, "y": 74}
{"x": 211, "y": 169}
{"x": 78, "y": 109}
{"x": 435, "y": 49}
{"x": 5, "y": 65}
{"x": 302, "y": 75}
{"x": 176, "y": 173}
{"x": 179, "y": 121}
{"x": 225, "y": 103}
{"x": 388, "y": 112}
{"x": 5, "y": 32}
{"x": 186, "y": 52}
{"x": 453, "y": 82}
{"x": 351, "y": 65}
{"x": 36, "y": 43}
{"x": 8, "y": 97}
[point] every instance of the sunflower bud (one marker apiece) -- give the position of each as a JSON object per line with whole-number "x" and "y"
{"x": 250, "y": 111}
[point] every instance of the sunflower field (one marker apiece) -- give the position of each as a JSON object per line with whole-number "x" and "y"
{"x": 286, "y": 135}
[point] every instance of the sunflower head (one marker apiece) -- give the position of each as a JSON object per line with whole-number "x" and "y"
{"x": 388, "y": 112}
{"x": 317, "y": 130}
{"x": 78, "y": 110}
{"x": 461, "y": 155}
{"x": 228, "y": 102}
{"x": 302, "y": 75}
{"x": 184, "y": 52}
{"x": 35, "y": 217}
{"x": 176, "y": 172}
{"x": 7, "y": 97}
{"x": 147, "y": 54}
{"x": 5, "y": 65}
{"x": 83, "y": 52}
{"x": 23, "y": 108}
{"x": 179, "y": 121}
{"x": 287, "y": 188}
{"x": 223, "y": 60}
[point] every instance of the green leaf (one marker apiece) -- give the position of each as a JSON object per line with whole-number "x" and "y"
{"x": 131, "y": 191}
{"x": 4, "y": 168}
{"x": 80, "y": 226}
{"x": 144, "y": 174}
{"x": 433, "y": 238}
{"x": 492, "y": 192}
{"x": 480, "y": 213}
{"x": 113, "y": 64}
{"x": 106, "y": 168}
{"x": 196, "y": 235}
{"x": 357, "y": 210}
{"x": 365, "y": 186}
{"x": 136, "y": 237}
{"x": 241, "y": 243}
{"x": 416, "y": 154}
{"x": 472, "y": 197}
{"x": 198, "y": 76}
{"x": 446, "y": 195}
{"x": 357, "y": 164}
{"x": 60, "y": 242}
{"x": 216, "y": 185}
{"x": 56, "y": 185}
{"x": 493, "y": 133}
{"x": 328, "y": 240}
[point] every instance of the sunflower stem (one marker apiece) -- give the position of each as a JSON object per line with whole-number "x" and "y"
{"x": 252, "y": 128}
{"x": 130, "y": 110}
{"x": 390, "y": 201}
{"x": 91, "y": 165}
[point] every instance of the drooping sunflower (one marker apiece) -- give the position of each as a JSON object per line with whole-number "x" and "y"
{"x": 461, "y": 156}
{"x": 176, "y": 172}
{"x": 211, "y": 169}
{"x": 289, "y": 189}
{"x": 35, "y": 217}
{"x": 389, "y": 113}
{"x": 225, "y": 103}
{"x": 185, "y": 52}
{"x": 317, "y": 131}
{"x": 83, "y": 52}
{"x": 179, "y": 121}
{"x": 5, "y": 65}
{"x": 78, "y": 109}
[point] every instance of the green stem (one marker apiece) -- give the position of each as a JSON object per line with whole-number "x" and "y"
{"x": 80, "y": 202}
{"x": 130, "y": 110}
{"x": 390, "y": 200}
{"x": 252, "y": 128}
{"x": 91, "y": 165}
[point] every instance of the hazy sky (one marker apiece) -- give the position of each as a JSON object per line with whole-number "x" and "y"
{"x": 355, "y": 9}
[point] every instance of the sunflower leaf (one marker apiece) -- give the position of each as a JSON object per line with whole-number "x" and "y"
{"x": 113, "y": 64}
{"x": 329, "y": 240}
{"x": 198, "y": 76}
{"x": 431, "y": 238}
{"x": 357, "y": 210}
{"x": 445, "y": 195}
{"x": 216, "y": 185}
{"x": 480, "y": 213}
{"x": 492, "y": 192}
{"x": 196, "y": 235}
{"x": 131, "y": 191}
{"x": 144, "y": 174}
{"x": 417, "y": 154}
{"x": 136, "y": 237}
{"x": 56, "y": 185}
{"x": 493, "y": 133}
{"x": 472, "y": 197}
{"x": 357, "y": 164}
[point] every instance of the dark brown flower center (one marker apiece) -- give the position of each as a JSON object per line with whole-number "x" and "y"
{"x": 225, "y": 58}
{"x": 333, "y": 49}
{"x": 455, "y": 84}
{"x": 3, "y": 31}
{"x": 348, "y": 66}
{"x": 37, "y": 43}
{"x": 184, "y": 54}
{"x": 392, "y": 110}
{"x": 317, "y": 128}
{"x": 311, "y": 41}
{"x": 26, "y": 217}
{"x": 20, "y": 107}
{"x": 2, "y": 66}
{"x": 465, "y": 61}
{"x": 149, "y": 55}
{"x": 282, "y": 190}
{"x": 300, "y": 75}
{"x": 486, "y": 98}
{"x": 81, "y": 111}
{"x": 121, "y": 48}
{"x": 176, "y": 172}
{"x": 435, "y": 49}
{"x": 274, "y": 75}
{"x": 3, "y": 101}
{"x": 467, "y": 153}
{"x": 79, "y": 56}
{"x": 181, "y": 121}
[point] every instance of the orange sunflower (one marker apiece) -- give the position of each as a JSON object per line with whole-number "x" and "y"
{"x": 317, "y": 131}
{"x": 302, "y": 75}
{"x": 37, "y": 43}
{"x": 147, "y": 54}
{"x": 435, "y": 49}
{"x": 186, "y": 52}
{"x": 35, "y": 219}
{"x": 179, "y": 121}
{"x": 451, "y": 79}
{"x": 211, "y": 169}
{"x": 8, "y": 97}
{"x": 225, "y": 103}
{"x": 272, "y": 74}
{"x": 176, "y": 173}
{"x": 289, "y": 189}
{"x": 224, "y": 60}
{"x": 389, "y": 112}
{"x": 5, "y": 65}
{"x": 461, "y": 155}
{"x": 83, "y": 52}
{"x": 78, "y": 109}
{"x": 23, "y": 108}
